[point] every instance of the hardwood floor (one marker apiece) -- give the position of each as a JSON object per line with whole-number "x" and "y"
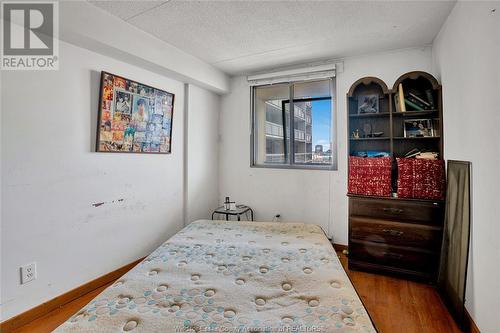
{"x": 394, "y": 305}
{"x": 397, "y": 305}
{"x": 50, "y": 321}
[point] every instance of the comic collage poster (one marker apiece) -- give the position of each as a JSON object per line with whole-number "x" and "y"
{"x": 133, "y": 117}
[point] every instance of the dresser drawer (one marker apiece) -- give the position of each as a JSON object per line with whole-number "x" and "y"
{"x": 395, "y": 256}
{"x": 426, "y": 212}
{"x": 395, "y": 233}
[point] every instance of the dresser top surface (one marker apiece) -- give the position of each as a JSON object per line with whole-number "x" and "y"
{"x": 358, "y": 196}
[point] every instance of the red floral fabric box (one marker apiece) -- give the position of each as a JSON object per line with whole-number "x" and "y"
{"x": 420, "y": 178}
{"x": 370, "y": 176}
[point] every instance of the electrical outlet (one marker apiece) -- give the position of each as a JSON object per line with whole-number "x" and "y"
{"x": 28, "y": 273}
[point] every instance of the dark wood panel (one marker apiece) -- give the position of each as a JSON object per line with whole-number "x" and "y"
{"x": 395, "y": 233}
{"x": 395, "y": 256}
{"x": 397, "y": 272}
{"x": 420, "y": 212}
{"x": 371, "y": 197}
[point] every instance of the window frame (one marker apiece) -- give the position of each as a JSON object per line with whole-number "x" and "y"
{"x": 290, "y": 164}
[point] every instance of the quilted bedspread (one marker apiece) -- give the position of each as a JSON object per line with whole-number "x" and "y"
{"x": 226, "y": 276}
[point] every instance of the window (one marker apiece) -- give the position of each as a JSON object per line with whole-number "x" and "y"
{"x": 301, "y": 113}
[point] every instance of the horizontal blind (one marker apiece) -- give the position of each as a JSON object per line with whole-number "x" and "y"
{"x": 293, "y": 75}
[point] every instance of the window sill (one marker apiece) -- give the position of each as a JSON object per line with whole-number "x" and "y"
{"x": 296, "y": 167}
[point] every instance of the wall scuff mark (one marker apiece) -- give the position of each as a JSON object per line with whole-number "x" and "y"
{"x": 98, "y": 204}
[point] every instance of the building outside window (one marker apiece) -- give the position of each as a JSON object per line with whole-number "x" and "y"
{"x": 312, "y": 125}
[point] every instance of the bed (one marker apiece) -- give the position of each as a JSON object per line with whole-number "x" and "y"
{"x": 226, "y": 276}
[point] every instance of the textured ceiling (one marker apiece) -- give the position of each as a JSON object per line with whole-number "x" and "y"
{"x": 241, "y": 37}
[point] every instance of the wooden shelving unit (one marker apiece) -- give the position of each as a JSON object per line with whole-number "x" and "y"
{"x": 380, "y": 122}
{"x": 391, "y": 235}
{"x": 368, "y": 139}
{"x": 418, "y": 138}
{"x": 371, "y": 115}
{"x": 430, "y": 113}
{"x": 390, "y": 122}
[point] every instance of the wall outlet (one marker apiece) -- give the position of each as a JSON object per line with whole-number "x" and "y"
{"x": 28, "y": 273}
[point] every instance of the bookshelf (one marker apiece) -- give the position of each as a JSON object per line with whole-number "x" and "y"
{"x": 390, "y": 235}
{"x": 420, "y": 82}
{"x": 390, "y": 121}
{"x": 378, "y": 122}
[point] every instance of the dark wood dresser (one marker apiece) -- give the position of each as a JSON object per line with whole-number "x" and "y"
{"x": 395, "y": 236}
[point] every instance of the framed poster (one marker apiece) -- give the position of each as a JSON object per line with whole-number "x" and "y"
{"x": 133, "y": 117}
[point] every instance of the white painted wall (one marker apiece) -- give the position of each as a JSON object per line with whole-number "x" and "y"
{"x": 51, "y": 177}
{"x": 466, "y": 56}
{"x": 298, "y": 195}
{"x": 202, "y": 181}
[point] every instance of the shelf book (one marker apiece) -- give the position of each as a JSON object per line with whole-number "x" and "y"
{"x": 407, "y": 117}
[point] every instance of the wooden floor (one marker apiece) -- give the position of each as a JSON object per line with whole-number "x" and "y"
{"x": 397, "y": 305}
{"x": 394, "y": 305}
{"x": 50, "y": 321}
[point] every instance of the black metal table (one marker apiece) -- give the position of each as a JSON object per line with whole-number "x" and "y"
{"x": 240, "y": 210}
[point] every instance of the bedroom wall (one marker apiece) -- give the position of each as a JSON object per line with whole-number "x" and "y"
{"x": 466, "y": 56}
{"x": 52, "y": 178}
{"x": 309, "y": 196}
{"x": 201, "y": 177}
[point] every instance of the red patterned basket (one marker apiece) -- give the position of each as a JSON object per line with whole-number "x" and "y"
{"x": 421, "y": 178}
{"x": 370, "y": 176}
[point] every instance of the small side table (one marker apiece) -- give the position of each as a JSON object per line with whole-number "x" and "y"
{"x": 240, "y": 210}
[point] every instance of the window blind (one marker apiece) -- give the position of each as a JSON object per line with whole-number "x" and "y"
{"x": 293, "y": 75}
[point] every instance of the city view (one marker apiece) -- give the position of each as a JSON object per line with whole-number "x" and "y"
{"x": 312, "y": 129}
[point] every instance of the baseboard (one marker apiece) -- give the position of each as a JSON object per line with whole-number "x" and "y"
{"x": 339, "y": 247}
{"x": 44, "y": 308}
{"x": 469, "y": 324}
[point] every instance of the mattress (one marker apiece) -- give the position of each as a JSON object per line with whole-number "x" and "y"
{"x": 226, "y": 276}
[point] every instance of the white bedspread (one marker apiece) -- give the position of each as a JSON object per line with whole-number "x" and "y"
{"x": 231, "y": 276}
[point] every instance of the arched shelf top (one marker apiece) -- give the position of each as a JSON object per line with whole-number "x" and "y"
{"x": 367, "y": 81}
{"x": 414, "y": 76}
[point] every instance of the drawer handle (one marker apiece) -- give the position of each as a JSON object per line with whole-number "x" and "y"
{"x": 393, "y": 255}
{"x": 393, "y": 232}
{"x": 393, "y": 210}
